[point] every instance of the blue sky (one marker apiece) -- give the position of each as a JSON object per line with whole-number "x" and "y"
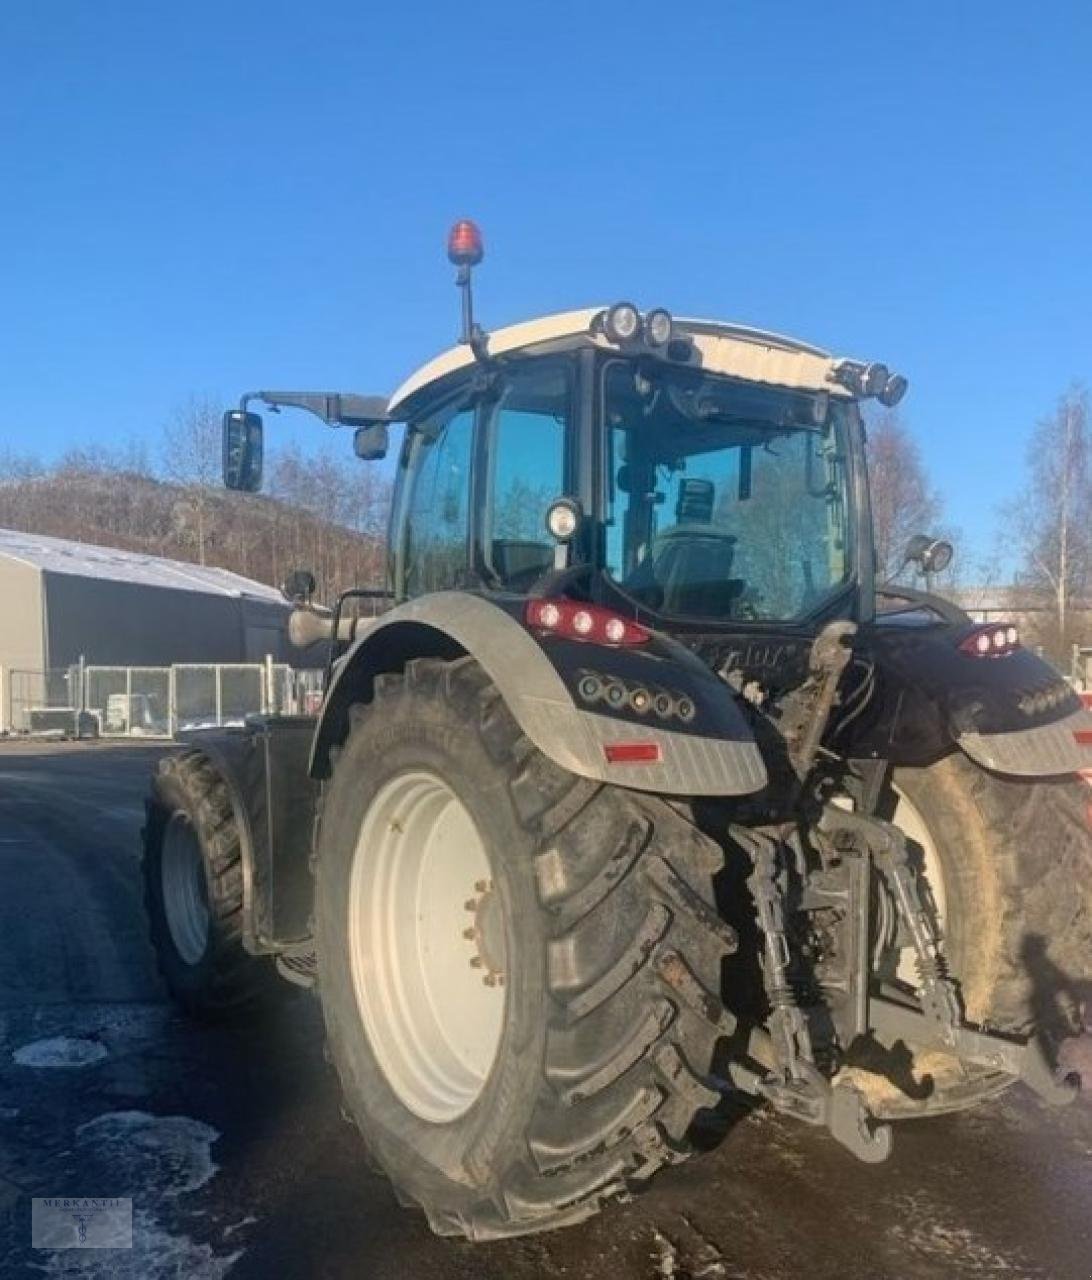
{"x": 203, "y": 198}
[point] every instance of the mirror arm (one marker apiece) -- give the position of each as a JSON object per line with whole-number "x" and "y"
{"x": 336, "y": 409}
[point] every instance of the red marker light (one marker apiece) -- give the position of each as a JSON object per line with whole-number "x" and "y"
{"x": 992, "y": 640}
{"x": 464, "y": 244}
{"x": 589, "y": 622}
{"x": 1084, "y": 737}
{"x": 632, "y": 752}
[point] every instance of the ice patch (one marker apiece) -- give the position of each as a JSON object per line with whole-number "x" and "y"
{"x": 169, "y": 1153}
{"x": 160, "y": 1157}
{"x": 156, "y": 1255}
{"x": 248, "y": 1221}
{"x": 59, "y": 1051}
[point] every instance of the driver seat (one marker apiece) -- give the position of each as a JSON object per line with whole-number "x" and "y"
{"x": 692, "y": 561}
{"x": 692, "y": 565}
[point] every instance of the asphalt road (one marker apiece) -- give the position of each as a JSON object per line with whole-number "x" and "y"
{"x": 231, "y": 1145}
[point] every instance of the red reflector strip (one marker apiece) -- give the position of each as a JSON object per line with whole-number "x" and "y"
{"x": 1084, "y": 737}
{"x": 632, "y": 752}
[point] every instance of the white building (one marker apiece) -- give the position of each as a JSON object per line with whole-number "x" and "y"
{"x": 60, "y": 601}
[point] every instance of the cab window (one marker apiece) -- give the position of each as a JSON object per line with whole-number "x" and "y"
{"x": 435, "y": 517}
{"x": 528, "y": 429}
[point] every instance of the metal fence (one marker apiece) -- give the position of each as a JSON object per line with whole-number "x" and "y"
{"x": 151, "y": 702}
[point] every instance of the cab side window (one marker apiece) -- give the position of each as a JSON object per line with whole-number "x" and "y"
{"x": 435, "y": 523}
{"x": 528, "y": 434}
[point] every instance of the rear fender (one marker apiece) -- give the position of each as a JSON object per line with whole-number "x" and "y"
{"x": 264, "y": 767}
{"x": 720, "y": 760}
{"x": 1014, "y": 714}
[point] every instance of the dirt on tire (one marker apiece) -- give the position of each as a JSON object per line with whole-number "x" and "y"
{"x": 613, "y": 1010}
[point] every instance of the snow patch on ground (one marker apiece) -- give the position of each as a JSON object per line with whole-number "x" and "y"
{"x": 59, "y": 1051}
{"x": 160, "y": 1156}
{"x": 156, "y": 1255}
{"x": 169, "y": 1153}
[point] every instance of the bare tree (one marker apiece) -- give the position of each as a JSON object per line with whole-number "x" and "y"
{"x": 1052, "y": 519}
{"x": 903, "y": 500}
{"x": 191, "y": 458}
{"x": 325, "y": 512}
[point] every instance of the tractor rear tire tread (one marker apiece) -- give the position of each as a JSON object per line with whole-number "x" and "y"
{"x": 621, "y": 1080}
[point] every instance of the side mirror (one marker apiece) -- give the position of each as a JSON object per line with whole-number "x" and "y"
{"x": 242, "y": 451}
{"x": 370, "y": 443}
{"x": 299, "y": 586}
{"x": 931, "y": 555}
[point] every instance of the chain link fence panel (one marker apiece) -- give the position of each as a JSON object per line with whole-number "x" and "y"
{"x": 152, "y": 702}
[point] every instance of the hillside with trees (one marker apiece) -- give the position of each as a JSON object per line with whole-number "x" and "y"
{"x": 321, "y": 512}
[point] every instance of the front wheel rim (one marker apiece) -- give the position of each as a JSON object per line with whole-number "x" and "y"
{"x": 185, "y": 893}
{"x": 427, "y": 946}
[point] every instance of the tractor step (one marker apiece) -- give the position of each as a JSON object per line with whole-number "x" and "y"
{"x": 298, "y": 966}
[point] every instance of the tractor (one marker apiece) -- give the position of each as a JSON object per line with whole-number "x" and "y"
{"x": 640, "y": 798}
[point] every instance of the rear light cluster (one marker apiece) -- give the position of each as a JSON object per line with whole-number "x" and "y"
{"x": 994, "y": 640}
{"x": 587, "y": 622}
{"x": 621, "y": 696}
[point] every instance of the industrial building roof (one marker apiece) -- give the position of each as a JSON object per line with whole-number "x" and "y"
{"x": 80, "y": 559}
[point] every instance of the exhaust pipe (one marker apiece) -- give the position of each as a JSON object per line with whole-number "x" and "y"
{"x": 310, "y": 626}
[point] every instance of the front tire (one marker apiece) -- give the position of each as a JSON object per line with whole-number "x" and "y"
{"x": 193, "y": 894}
{"x": 565, "y": 1006}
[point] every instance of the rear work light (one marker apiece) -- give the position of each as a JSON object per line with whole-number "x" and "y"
{"x": 993, "y": 640}
{"x": 576, "y": 621}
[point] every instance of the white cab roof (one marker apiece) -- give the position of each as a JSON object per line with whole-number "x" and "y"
{"x": 734, "y": 350}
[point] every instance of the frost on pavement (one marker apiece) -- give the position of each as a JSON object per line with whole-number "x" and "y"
{"x": 142, "y": 1151}
{"x": 60, "y": 1051}
{"x": 156, "y": 1255}
{"x": 150, "y": 1158}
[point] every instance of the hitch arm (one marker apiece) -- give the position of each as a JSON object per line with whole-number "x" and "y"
{"x": 1024, "y": 1060}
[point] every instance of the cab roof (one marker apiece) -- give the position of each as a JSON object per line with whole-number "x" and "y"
{"x": 717, "y": 347}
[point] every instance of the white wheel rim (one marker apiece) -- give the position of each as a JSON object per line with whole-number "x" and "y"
{"x": 908, "y": 818}
{"x": 426, "y": 945}
{"x": 185, "y": 894}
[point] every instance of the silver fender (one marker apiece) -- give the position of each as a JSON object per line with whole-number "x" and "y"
{"x": 1043, "y": 752}
{"x": 449, "y": 622}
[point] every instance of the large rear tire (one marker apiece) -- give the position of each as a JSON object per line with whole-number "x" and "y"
{"x": 193, "y": 894}
{"x": 1014, "y": 864}
{"x": 519, "y": 1048}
